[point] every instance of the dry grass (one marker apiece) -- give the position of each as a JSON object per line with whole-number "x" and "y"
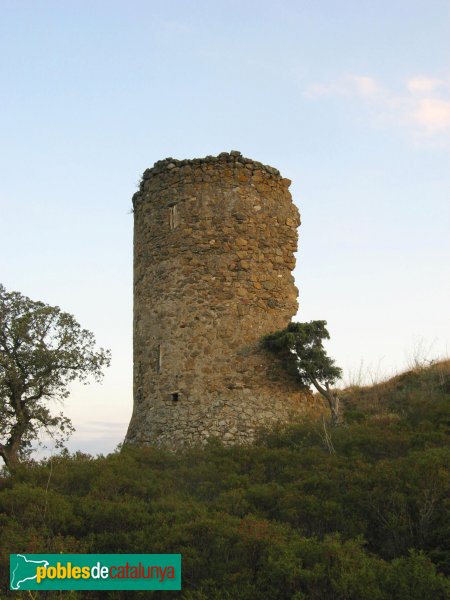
{"x": 387, "y": 397}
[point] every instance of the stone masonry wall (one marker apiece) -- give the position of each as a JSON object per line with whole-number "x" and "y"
{"x": 214, "y": 247}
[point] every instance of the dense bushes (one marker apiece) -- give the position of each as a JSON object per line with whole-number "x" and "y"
{"x": 283, "y": 519}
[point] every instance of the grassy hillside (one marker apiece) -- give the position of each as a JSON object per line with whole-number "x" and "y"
{"x": 403, "y": 395}
{"x": 362, "y": 515}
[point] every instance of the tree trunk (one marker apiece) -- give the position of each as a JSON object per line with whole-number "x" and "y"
{"x": 10, "y": 455}
{"x": 10, "y": 451}
{"x": 333, "y": 401}
{"x": 336, "y": 417}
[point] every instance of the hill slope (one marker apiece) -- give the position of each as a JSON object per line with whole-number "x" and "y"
{"x": 363, "y": 514}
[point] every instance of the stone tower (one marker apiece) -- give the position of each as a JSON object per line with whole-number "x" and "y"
{"x": 214, "y": 243}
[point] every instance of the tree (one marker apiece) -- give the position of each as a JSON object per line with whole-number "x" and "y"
{"x": 42, "y": 350}
{"x": 300, "y": 349}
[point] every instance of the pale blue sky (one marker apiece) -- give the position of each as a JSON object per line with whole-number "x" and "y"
{"x": 350, "y": 100}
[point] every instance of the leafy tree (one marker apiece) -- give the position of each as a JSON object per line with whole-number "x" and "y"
{"x": 301, "y": 351}
{"x": 42, "y": 350}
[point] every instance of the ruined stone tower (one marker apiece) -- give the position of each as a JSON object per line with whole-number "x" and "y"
{"x": 214, "y": 243}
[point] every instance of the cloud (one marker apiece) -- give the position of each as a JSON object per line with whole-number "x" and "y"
{"x": 422, "y": 106}
{"x": 367, "y": 86}
{"x": 433, "y": 114}
{"x": 423, "y": 85}
{"x": 349, "y": 86}
{"x": 99, "y": 429}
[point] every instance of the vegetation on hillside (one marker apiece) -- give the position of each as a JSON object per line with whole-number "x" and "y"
{"x": 290, "y": 517}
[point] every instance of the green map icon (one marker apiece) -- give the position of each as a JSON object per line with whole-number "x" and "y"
{"x": 23, "y": 569}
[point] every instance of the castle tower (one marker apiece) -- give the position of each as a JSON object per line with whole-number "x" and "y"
{"x": 214, "y": 243}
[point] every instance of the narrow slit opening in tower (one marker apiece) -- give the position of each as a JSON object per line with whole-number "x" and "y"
{"x": 173, "y": 216}
{"x": 175, "y": 396}
{"x": 158, "y": 359}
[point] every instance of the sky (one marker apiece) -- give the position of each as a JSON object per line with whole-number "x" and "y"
{"x": 350, "y": 100}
